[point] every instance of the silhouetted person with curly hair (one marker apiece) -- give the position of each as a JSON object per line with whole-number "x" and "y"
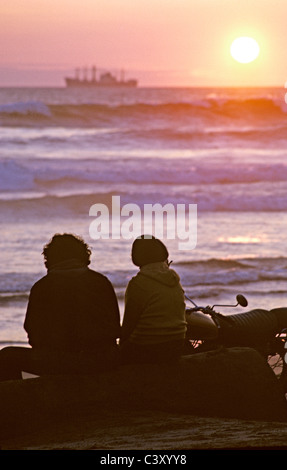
{"x": 72, "y": 318}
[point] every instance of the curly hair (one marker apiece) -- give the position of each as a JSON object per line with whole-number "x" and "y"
{"x": 66, "y": 246}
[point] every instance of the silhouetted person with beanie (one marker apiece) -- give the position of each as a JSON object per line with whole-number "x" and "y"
{"x": 154, "y": 325}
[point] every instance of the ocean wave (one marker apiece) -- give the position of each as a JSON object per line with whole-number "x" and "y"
{"x": 11, "y": 342}
{"x": 229, "y": 272}
{"x": 207, "y": 277}
{"x": 14, "y": 176}
{"x": 214, "y": 200}
{"x": 15, "y": 286}
{"x": 216, "y": 263}
{"x": 257, "y": 263}
{"x": 191, "y": 135}
{"x": 92, "y": 113}
{"x": 28, "y": 108}
{"x": 203, "y": 134}
{"x": 8, "y": 298}
{"x": 49, "y": 175}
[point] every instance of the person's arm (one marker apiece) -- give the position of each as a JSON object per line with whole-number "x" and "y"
{"x": 96, "y": 316}
{"x": 133, "y": 311}
{"x": 112, "y": 307}
{"x": 30, "y": 323}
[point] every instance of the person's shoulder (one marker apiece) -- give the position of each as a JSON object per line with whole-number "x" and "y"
{"x": 97, "y": 276}
{"x": 39, "y": 283}
{"x": 135, "y": 282}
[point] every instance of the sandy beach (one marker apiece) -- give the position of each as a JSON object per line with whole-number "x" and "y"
{"x": 153, "y": 431}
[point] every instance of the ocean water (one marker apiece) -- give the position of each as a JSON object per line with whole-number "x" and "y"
{"x": 64, "y": 150}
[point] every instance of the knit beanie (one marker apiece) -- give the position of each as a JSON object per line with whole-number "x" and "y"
{"x": 147, "y": 249}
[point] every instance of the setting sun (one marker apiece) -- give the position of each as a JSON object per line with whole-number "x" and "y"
{"x": 244, "y": 49}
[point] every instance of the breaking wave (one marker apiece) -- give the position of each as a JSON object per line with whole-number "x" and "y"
{"x": 233, "y": 272}
{"x": 216, "y": 272}
{"x": 90, "y": 113}
{"x": 40, "y": 174}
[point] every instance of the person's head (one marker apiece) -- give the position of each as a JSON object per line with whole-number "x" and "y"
{"x": 147, "y": 249}
{"x": 63, "y": 247}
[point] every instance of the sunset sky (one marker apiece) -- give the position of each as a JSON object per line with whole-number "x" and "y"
{"x": 161, "y": 42}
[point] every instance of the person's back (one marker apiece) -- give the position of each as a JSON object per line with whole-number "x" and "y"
{"x": 154, "y": 324}
{"x": 72, "y": 318}
{"x": 72, "y": 309}
{"x": 157, "y": 288}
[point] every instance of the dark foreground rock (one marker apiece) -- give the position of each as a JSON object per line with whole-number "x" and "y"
{"x": 232, "y": 383}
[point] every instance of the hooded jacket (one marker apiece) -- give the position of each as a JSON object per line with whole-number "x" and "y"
{"x": 154, "y": 306}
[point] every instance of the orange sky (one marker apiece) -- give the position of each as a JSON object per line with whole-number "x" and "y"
{"x": 162, "y": 42}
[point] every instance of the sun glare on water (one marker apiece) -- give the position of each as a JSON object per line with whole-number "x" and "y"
{"x": 244, "y": 50}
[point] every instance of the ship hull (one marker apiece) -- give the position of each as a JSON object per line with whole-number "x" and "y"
{"x": 75, "y": 83}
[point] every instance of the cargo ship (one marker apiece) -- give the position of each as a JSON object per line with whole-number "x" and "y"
{"x": 106, "y": 79}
